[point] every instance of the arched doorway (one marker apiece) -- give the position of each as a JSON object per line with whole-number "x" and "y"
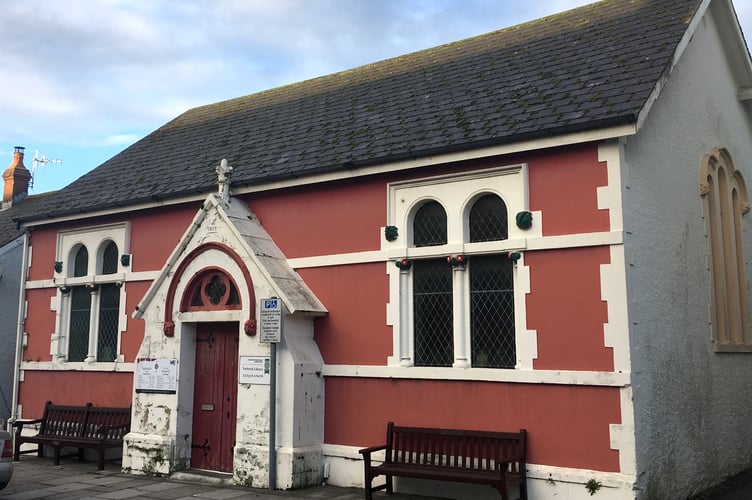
{"x": 215, "y": 396}
{"x": 216, "y": 371}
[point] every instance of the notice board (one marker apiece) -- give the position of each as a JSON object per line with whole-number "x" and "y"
{"x": 157, "y": 375}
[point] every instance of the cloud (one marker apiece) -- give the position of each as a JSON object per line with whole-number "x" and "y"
{"x": 89, "y": 76}
{"x": 115, "y": 140}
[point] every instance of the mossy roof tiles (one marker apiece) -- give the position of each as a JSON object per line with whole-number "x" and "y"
{"x": 583, "y": 69}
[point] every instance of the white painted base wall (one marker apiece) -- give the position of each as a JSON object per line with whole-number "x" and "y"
{"x": 544, "y": 482}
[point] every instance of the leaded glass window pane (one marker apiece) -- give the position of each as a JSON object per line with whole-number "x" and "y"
{"x": 430, "y": 225}
{"x": 488, "y": 219}
{"x": 432, "y": 310}
{"x": 215, "y": 289}
{"x": 109, "y": 307}
{"x": 80, "y": 313}
{"x": 110, "y": 259}
{"x": 492, "y": 334}
{"x": 81, "y": 262}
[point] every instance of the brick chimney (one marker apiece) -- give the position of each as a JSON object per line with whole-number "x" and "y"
{"x": 15, "y": 179}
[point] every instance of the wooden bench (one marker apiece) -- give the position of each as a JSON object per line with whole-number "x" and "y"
{"x": 81, "y": 427}
{"x": 449, "y": 455}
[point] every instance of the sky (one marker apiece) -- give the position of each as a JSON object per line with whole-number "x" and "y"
{"x": 81, "y": 80}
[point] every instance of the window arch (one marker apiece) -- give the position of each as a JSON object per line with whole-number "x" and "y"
{"x": 488, "y": 219}
{"x": 80, "y": 308}
{"x": 109, "y": 258}
{"x": 80, "y": 261}
{"x": 432, "y": 290}
{"x": 92, "y": 293}
{"x": 430, "y": 225}
{"x": 492, "y": 333}
{"x": 725, "y": 202}
{"x": 456, "y": 304}
{"x": 211, "y": 289}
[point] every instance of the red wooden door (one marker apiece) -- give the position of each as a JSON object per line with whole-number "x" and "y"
{"x": 214, "y": 396}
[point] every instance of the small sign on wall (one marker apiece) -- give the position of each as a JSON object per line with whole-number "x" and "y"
{"x": 156, "y": 375}
{"x": 271, "y": 320}
{"x": 255, "y": 370}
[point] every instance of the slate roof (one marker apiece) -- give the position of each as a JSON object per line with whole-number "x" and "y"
{"x": 9, "y": 229}
{"x": 584, "y": 69}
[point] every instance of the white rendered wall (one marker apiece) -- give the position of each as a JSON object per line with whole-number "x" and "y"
{"x": 160, "y": 439}
{"x": 692, "y": 405}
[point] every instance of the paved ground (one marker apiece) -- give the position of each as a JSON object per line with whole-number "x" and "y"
{"x": 38, "y": 478}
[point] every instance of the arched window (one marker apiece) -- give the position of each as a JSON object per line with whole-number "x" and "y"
{"x": 81, "y": 262}
{"x": 488, "y": 219}
{"x": 725, "y": 201}
{"x": 211, "y": 289}
{"x": 94, "y": 310}
{"x": 110, "y": 258}
{"x": 80, "y": 309}
{"x": 432, "y": 291}
{"x": 456, "y": 269}
{"x": 109, "y": 305}
{"x": 91, "y": 284}
{"x": 430, "y": 225}
{"x": 492, "y": 333}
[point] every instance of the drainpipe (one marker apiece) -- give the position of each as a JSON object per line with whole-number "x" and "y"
{"x": 20, "y": 331}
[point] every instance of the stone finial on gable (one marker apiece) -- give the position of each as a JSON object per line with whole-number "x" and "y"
{"x": 224, "y": 171}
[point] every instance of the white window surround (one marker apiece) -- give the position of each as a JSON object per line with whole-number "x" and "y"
{"x": 456, "y": 193}
{"x": 94, "y": 239}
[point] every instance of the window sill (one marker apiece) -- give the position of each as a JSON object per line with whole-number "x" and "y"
{"x": 559, "y": 377}
{"x": 78, "y": 366}
{"x": 718, "y": 347}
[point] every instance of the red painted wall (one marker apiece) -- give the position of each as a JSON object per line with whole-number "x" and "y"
{"x": 155, "y": 235}
{"x": 565, "y": 308}
{"x": 568, "y": 425}
{"x": 130, "y": 339}
{"x": 324, "y": 219}
{"x": 355, "y": 330}
{"x": 40, "y": 324}
{"x": 74, "y": 388}
{"x": 563, "y": 186}
{"x": 43, "y": 245}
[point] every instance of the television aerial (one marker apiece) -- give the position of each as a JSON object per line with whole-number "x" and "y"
{"x": 36, "y": 162}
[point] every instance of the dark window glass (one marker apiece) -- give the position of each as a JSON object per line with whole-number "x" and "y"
{"x": 488, "y": 219}
{"x": 432, "y": 310}
{"x": 110, "y": 259}
{"x": 215, "y": 289}
{"x": 109, "y": 307}
{"x": 80, "y": 313}
{"x": 492, "y": 333}
{"x": 430, "y": 225}
{"x": 81, "y": 262}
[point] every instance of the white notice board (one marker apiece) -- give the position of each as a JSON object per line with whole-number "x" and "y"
{"x": 255, "y": 370}
{"x": 157, "y": 375}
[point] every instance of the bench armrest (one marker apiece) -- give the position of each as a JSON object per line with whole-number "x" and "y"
{"x": 371, "y": 449}
{"x": 366, "y": 452}
{"x": 20, "y": 423}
